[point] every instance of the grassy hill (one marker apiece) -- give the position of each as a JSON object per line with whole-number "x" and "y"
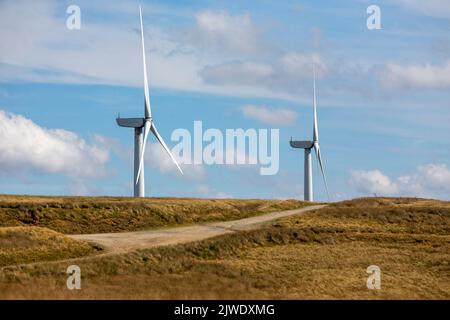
{"x": 322, "y": 254}
{"x": 35, "y": 244}
{"x": 77, "y": 215}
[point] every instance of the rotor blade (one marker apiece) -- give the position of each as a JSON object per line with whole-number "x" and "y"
{"x": 315, "y": 127}
{"x": 160, "y": 139}
{"x": 319, "y": 159}
{"x": 144, "y": 143}
{"x": 148, "y": 111}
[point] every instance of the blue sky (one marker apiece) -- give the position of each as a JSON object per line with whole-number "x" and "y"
{"x": 383, "y": 95}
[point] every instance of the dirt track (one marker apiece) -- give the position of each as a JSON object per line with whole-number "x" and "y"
{"x": 131, "y": 241}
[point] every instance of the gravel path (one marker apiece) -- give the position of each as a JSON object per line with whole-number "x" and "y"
{"x": 130, "y": 241}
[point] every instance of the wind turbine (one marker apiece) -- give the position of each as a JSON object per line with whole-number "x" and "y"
{"x": 307, "y": 146}
{"x": 142, "y": 127}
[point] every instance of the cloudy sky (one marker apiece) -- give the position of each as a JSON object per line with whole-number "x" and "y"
{"x": 383, "y": 95}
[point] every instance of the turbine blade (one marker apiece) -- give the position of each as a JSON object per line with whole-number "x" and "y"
{"x": 315, "y": 126}
{"x": 144, "y": 143}
{"x": 160, "y": 139}
{"x": 148, "y": 111}
{"x": 319, "y": 159}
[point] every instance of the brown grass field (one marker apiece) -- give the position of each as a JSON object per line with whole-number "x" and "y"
{"x": 319, "y": 255}
{"x": 31, "y": 244}
{"x": 76, "y": 215}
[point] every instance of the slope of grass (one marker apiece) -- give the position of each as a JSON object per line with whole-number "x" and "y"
{"x": 72, "y": 215}
{"x": 32, "y": 244}
{"x": 322, "y": 254}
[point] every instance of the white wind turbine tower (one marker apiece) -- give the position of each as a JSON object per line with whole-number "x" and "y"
{"x": 307, "y": 146}
{"x": 142, "y": 127}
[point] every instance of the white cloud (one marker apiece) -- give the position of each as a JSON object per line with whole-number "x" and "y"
{"x": 291, "y": 74}
{"x": 433, "y": 177}
{"x": 431, "y": 180}
{"x": 26, "y": 146}
{"x": 425, "y": 76}
{"x": 271, "y": 116}
{"x": 373, "y": 182}
{"x": 219, "y": 30}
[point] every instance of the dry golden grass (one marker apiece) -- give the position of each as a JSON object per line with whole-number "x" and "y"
{"x": 76, "y": 215}
{"x": 32, "y": 244}
{"x": 323, "y": 254}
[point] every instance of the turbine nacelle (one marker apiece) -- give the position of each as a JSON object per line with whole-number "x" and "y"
{"x": 130, "y": 122}
{"x": 301, "y": 144}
